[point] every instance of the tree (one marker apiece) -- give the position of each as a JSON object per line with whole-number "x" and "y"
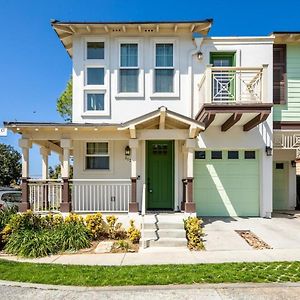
{"x": 55, "y": 172}
{"x": 10, "y": 165}
{"x": 64, "y": 102}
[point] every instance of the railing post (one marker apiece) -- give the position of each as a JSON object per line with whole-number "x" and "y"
{"x": 133, "y": 205}
{"x": 208, "y": 84}
{"x": 265, "y": 84}
{"x": 184, "y": 182}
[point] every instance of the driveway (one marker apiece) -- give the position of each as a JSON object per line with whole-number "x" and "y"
{"x": 280, "y": 232}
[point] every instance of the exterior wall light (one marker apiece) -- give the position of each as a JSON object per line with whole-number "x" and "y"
{"x": 127, "y": 153}
{"x": 293, "y": 163}
{"x": 199, "y": 55}
{"x": 269, "y": 151}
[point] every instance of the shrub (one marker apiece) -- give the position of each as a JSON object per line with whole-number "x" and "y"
{"x": 31, "y": 243}
{"x": 5, "y": 215}
{"x": 133, "y": 233}
{"x": 51, "y": 221}
{"x": 120, "y": 245}
{"x": 114, "y": 229}
{"x": 194, "y": 233}
{"x": 71, "y": 237}
{"x": 74, "y": 219}
{"x": 96, "y": 225}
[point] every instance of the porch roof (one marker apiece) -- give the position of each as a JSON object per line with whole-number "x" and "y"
{"x": 163, "y": 118}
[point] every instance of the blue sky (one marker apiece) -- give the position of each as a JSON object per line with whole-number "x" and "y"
{"x": 35, "y": 67}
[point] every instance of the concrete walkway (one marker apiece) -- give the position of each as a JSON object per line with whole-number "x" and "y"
{"x": 167, "y": 256}
{"x": 15, "y": 290}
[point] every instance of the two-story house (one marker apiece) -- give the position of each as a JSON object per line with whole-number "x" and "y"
{"x": 161, "y": 112}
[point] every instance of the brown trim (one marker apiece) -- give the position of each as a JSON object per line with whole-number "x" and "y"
{"x": 24, "y": 205}
{"x": 286, "y": 125}
{"x": 209, "y": 119}
{"x": 279, "y": 74}
{"x": 190, "y": 206}
{"x": 184, "y": 183}
{"x": 255, "y": 121}
{"x": 65, "y": 205}
{"x": 231, "y": 121}
{"x": 133, "y": 205}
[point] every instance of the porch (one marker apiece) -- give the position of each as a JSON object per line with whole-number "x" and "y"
{"x": 109, "y": 168}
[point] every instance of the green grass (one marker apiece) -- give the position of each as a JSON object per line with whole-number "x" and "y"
{"x": 147, "y": 275}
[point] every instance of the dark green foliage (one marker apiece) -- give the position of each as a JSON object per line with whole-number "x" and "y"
{"x": 10, "y": 162}
{"x": 6, "y": 214}
{"x": 64, "y": 102}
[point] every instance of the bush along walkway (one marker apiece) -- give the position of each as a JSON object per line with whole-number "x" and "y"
{"x": 150, "y": 275}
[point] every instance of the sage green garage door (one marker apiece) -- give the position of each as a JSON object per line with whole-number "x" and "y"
{"x": 226, "y": 183}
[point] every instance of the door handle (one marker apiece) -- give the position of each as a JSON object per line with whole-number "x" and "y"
{"x": 150, "y": 191}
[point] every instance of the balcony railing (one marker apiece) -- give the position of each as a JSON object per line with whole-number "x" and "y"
{"x": 236, "y": 85}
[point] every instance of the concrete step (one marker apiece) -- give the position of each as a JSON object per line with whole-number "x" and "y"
{"x": 150, "y": 234}
{"x": 163, "y": 225}
{"x": 168, "y": 242}
{"x": 172, "y": 233}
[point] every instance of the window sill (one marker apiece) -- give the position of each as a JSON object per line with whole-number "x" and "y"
{"x": 165, "y": 95}
{"x": 95, "y": 114}
{"x": 129, "y": 95}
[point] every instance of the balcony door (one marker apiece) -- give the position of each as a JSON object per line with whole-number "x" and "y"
{"x": 223, "y": 81}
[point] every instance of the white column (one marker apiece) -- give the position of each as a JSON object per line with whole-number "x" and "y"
{"x": 61, "y": 162}
{"x": 190, "y": 146}
{"x": 66, "y": 144}
{"x": 25, "y": 144}
{"x": 44, "y": 153}
{"x": 133, "y": 144}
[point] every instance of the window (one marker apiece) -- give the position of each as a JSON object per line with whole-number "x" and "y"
{"x": 279, "y": 166}
{"x": 233, "y": 154}
{"x": 97, "y": 156}
{"x": 200, "y": 155}
{"x": 95, "y": 76}
{"x": 279, "y": 74}
{"x": 129, "y": 70}
{"x": 94, "y": 102}
{"x": 216, "y": 154}
{"x": 249, "y": 154}
{"x": 164, "y": 68}
{"x": 95, "y": 50}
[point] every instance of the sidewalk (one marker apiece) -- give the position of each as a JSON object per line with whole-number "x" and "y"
{"x": 154, "y": 256}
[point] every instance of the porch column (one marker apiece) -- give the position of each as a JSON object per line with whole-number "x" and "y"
{"x": 190, "y": 206}
{"x": 25, "y": 145}
{"x": 44, "y": 153}
{"x": 65, "y": 206}
{"x": 133, "y": 205}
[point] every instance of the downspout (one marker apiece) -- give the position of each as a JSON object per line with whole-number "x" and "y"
{"x": 197, "y": 51}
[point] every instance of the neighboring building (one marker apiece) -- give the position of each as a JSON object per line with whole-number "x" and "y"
{"x": 286, "y": 67}
{"x": 160, "y": 104}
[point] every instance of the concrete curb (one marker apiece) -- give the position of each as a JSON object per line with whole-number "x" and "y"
{"x": 148, "y": 287}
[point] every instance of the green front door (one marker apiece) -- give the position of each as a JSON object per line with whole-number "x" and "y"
{"x": 160, "y": 175}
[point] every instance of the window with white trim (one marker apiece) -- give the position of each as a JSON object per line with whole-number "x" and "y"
{"x": 97, "y": 156}
{"x": 95, "y": 101}
{"x": 95, "y": 50}
{"x": 164, "y": 68}
{"x": 94, "y": 76}
{"x": 129, "y": 68}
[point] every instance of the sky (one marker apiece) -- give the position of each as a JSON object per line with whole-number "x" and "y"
{"x": 34, "y": 67}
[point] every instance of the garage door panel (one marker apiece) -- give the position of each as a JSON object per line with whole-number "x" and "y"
{"x": 226, "y": 187}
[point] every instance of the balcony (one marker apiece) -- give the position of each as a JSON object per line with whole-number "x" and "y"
{"x": 231, "y": 96}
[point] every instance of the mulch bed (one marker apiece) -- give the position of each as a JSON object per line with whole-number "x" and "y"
{"x": 254, "y": 241}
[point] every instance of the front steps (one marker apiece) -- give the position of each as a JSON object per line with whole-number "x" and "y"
{"x": 163, "y": 230}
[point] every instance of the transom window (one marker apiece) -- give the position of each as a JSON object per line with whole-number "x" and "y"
{"x": 95, "y": 102}
{"x": 249, "y": 154}
{"x": 164, "y": 68}
{"x": 216, "y": 154}
{"x": 129, "y": 69}
{"x": 95, "y": 50}
{"x": 97, "y": 156}
{"x": 95, "y": 76}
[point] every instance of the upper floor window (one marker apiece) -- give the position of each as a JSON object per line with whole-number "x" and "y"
{"x": 164, "y": 68}
{"x": 95, "y": 76}
{"x": 95, "y": 101}
{"x": 129, "y": 69}
{"x": 95, "y": 50}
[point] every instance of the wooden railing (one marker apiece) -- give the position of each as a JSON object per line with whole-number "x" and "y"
{"x": 45, "y": 195}
{"x": 105, "y": 195}
{"x": 233, "y": 85}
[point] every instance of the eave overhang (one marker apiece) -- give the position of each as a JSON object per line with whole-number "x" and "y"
{"x": 66, "y": 30}
{"x": 283, "y": 37}
{"x": 226, "y": 116}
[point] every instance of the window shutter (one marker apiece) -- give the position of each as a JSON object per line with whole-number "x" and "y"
{"x": 279, "y": 74}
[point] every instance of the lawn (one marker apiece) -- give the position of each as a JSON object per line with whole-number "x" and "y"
{"x": 149, "y": 275}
